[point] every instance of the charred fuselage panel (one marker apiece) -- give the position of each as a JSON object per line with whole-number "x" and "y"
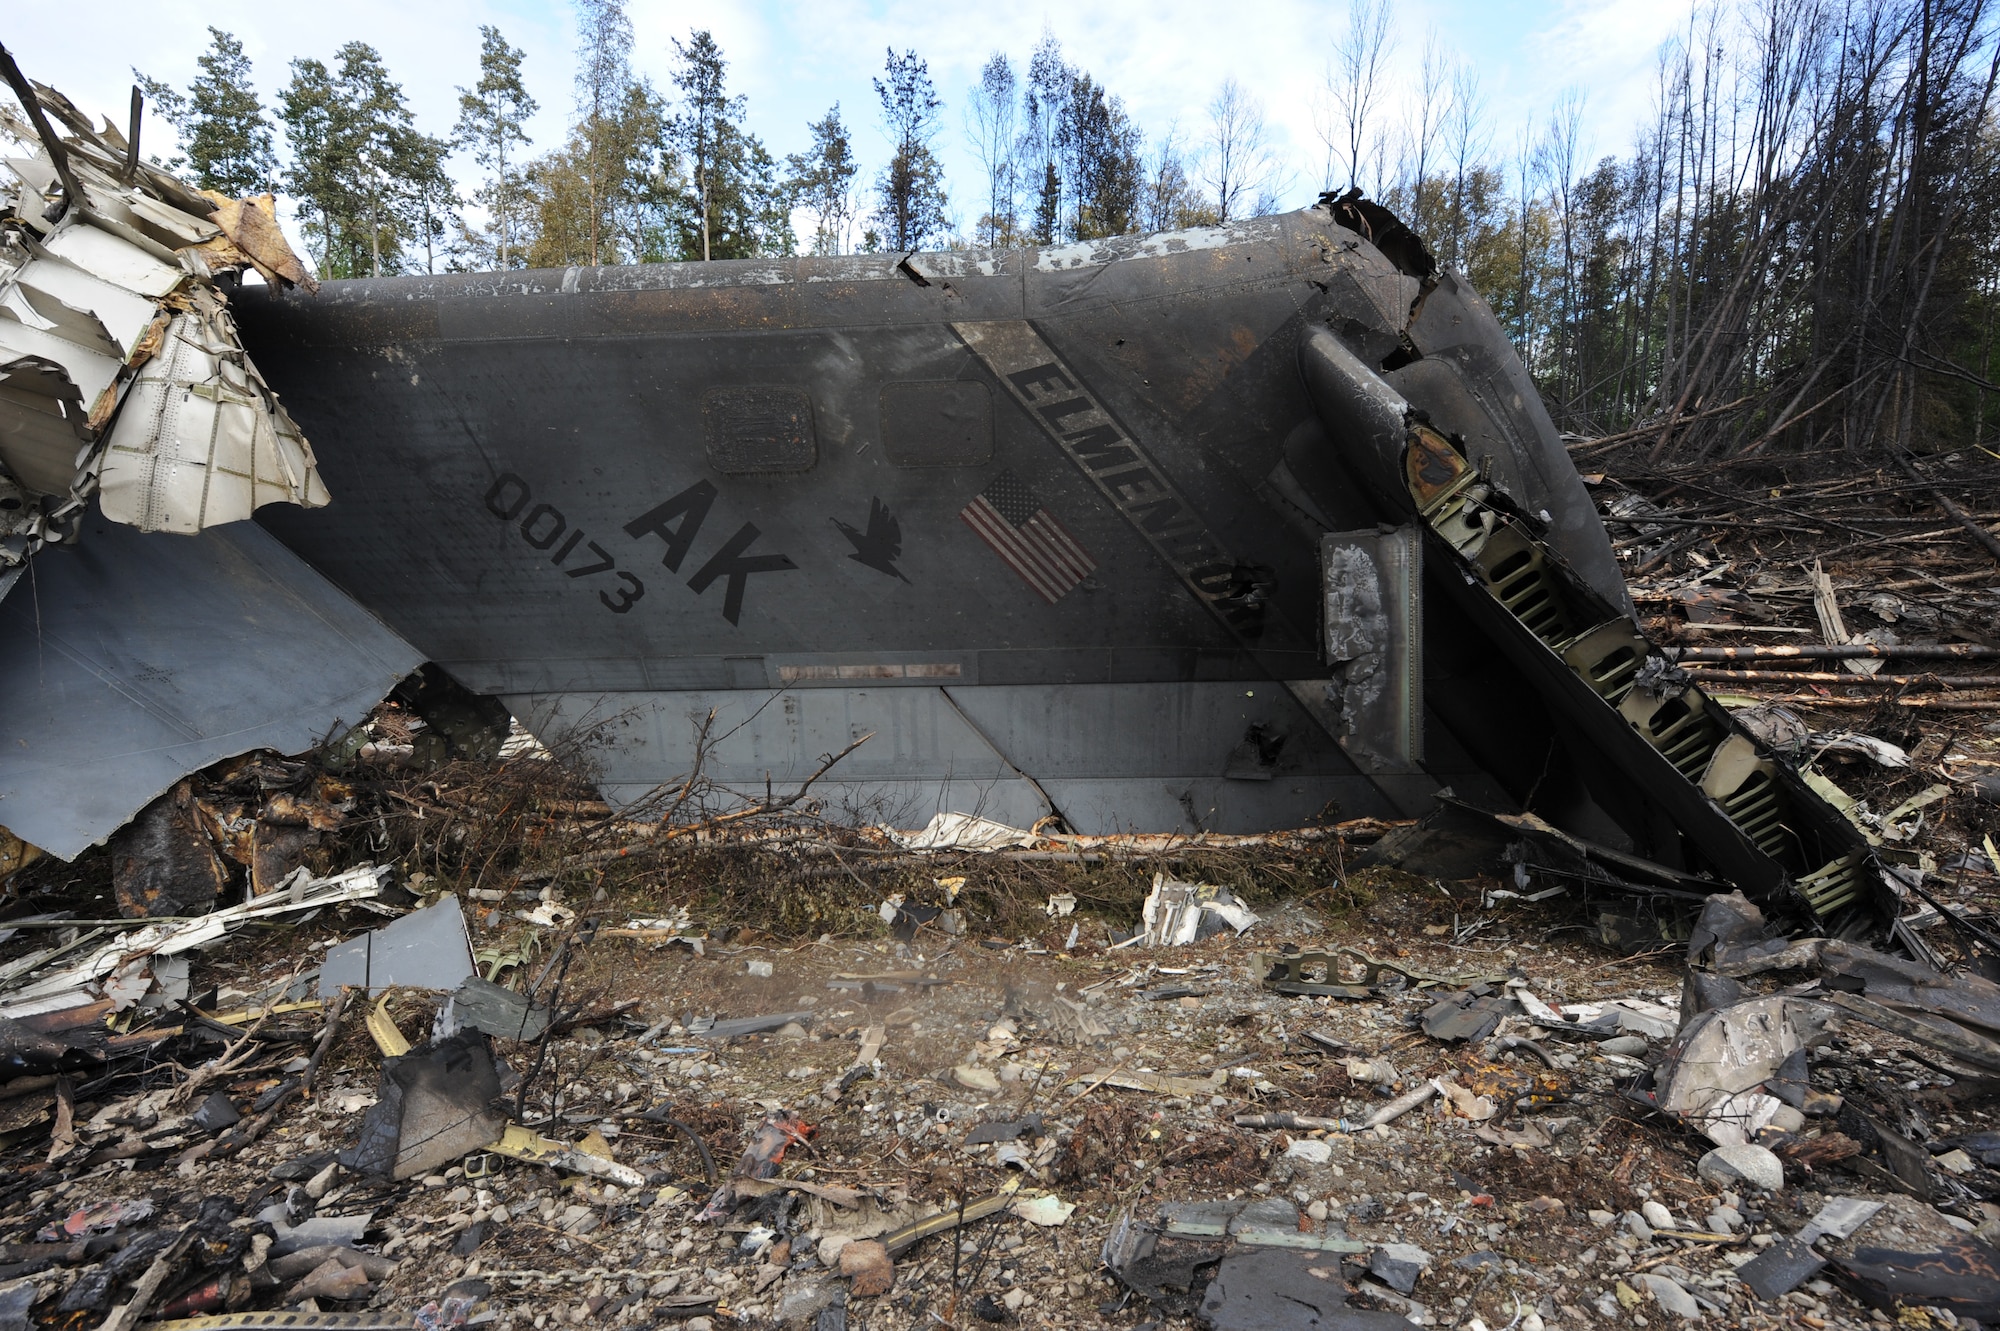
{"x": 1047, "y": 522}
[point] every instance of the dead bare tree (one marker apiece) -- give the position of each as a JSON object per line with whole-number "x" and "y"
{"x": 990, "y": 118}
{"x": 1466, "y": 139}
{"x": 1558, "y": 154}
{"x": 1424, "y": 128}
{"x": 1354, "y": 81}
{"x": 1238, "y": 164}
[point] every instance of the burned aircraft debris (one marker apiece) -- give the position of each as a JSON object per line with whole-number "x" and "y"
{"x": 113, "y": 279}
{"x": 1177, "y": 513}
{"x": 129, "y": 405}
{"x": 1067, "y": 573}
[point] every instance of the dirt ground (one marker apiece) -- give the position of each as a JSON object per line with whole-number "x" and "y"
{"x": 1512, "y": 1232}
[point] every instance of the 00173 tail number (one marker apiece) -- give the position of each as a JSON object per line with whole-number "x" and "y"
{"x": 543, "y": 527}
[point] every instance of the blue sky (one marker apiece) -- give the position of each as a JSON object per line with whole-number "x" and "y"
{"x": 794, "y": 59}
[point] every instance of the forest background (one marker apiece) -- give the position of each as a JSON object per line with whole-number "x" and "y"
{"x": 1796, "y": 248}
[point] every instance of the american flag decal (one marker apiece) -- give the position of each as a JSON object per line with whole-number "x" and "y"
{"x": 1008, "y": 517}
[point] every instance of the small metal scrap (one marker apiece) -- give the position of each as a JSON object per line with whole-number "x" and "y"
{"x": 1781, "y": 1268}
{"x": 1839, "y": 1218}
{"x": 1005, "y": 1131}
{"x": 1159, "y": 1254}
{"x": 1471, "y": 1014}
{"x": 1319, "y": 974}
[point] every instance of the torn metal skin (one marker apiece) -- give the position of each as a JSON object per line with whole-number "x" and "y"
{"x": 1961, "y": 1275}
{"x": 1170, "y": 1255}
{"x": 794, "y": 464}
{"x": 1373, "y": 622}
{"x": 1715, "y": 798}
{"x": 122, "y": 376}
{"x": 128, "y": 402}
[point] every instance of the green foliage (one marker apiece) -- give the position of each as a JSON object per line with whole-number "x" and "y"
{"x": 821, "y": 180}
{"x": 1798, "y": 254}
{"x": 602, "y": 197}
{"x": 225, "y": 134}
{"x": 492, "y": 122}
{"x": 1083, "y": 152}
{"x": 731, "y": 205}
{"x": 910, "y": 190}
{"x": 598, "y": 179}
{"x": 1802, "y": 251}
{"x": 1041, "y": 105}
{"x": 1047, "y": 218}
{"x": 559, "y": 190}
{"x": 1100, "y": 146}
{"x": 635, "y": 184}
{"x": 367, "y": 182}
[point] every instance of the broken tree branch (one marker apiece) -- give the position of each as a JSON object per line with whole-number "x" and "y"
{"x": 762, "y": 808}
{"x": 1951, "y": 506}
{"x": 1955, "y": 651}
{"x": 242, "y": 1137}
{"x": 1828, "y": 677}
{"x": 1936, "y": 702}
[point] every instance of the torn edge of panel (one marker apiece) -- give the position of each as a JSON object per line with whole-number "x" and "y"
{"x": 122, "y": 375}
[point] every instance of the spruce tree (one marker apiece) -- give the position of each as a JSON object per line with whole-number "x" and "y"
{"x": 732, "y": 205}
{"x": 225, "y": 134}
{"x": 1049, "y": 79}
{"x": 492, "y": 122}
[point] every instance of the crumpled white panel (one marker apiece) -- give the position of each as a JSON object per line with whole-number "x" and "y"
{"x": 200, "y": 439}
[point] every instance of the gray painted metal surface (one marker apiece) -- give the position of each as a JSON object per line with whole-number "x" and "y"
{"x": 1080, "y": 491}
{"x": 426, "y": 949}
{"x": 130, "y": 660}
{"x": 1155, "y": 757}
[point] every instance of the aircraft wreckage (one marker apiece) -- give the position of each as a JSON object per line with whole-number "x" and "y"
{"x": 1214, "y": 529}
